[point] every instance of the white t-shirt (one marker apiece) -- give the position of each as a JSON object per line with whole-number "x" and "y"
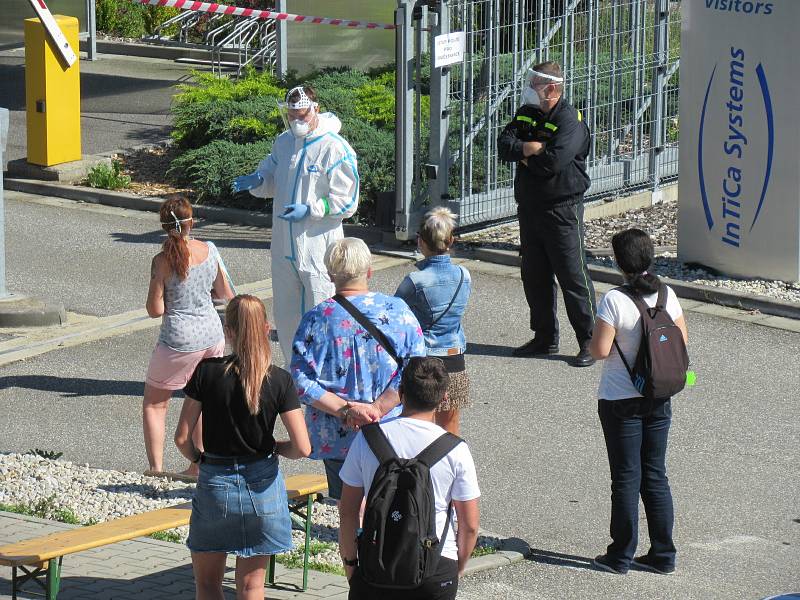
{"x": 619, "y": 311}
{"x": 454, "y": 477}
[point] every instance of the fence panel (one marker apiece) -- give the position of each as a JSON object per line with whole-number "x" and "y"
{"x": 621, "y": 60}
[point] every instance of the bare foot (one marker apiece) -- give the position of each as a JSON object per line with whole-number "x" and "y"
{"x": 152, "y": 472}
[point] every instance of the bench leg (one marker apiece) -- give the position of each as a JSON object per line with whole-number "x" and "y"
{"x": 53, "y": 580}
{"x": 271, "y": 572}
{"x": 309, "y": 510}
{"x": 13, "y": 583}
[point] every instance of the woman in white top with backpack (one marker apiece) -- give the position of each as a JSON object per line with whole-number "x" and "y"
{"x": 635, "y": 428}
{"x": 182, "y": 278}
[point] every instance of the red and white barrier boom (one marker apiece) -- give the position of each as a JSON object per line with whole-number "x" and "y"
{"x": 56, "y": 35}
{"x": 238, "y": 11}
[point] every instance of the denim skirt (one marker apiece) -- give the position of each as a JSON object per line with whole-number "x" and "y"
{"x": 240, "y": 509}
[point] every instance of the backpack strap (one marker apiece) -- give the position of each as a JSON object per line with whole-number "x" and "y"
{"x": 378, "y": 442}
{"x": 438, "y": 449}
{"x": 453, "y": 299}
{"x": 369, "y": 326}
{"x": 642, "y": 307}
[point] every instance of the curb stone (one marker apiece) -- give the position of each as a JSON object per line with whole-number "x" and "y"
{"x": 512, "y": 550}
{"x": 684, "y": 289}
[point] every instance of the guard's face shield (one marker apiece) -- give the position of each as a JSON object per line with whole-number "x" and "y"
{"x": 299, "y": 115}
{"x": 539, "y": 86}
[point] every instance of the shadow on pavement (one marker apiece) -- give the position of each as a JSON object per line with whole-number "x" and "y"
{"x": 74, "y": 387}
{"x": 147, "y": 491}
{"x": 547, "y": 557}
{"x": 495, "y": 350}
{"x": 220, "y": 239}
{"x": 93, "y": 86}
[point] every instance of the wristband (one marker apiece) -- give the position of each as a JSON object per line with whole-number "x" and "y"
{"x": 350, "y": 563}
{"x": 344, "y": 412}
{"x": 198, "y": 459}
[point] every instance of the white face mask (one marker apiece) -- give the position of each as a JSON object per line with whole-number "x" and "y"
{"x": 531, "y": 97}
{"x": 300, "y": 128}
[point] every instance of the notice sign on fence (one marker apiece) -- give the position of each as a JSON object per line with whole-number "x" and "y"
{"x": 449, "y": 49}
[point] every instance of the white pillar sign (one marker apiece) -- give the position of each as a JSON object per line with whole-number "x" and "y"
{"x": 449, "y": 49}
{"x": 739, "y": 201}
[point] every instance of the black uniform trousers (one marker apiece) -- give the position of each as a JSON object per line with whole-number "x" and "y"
{"x": 551, "y": 244}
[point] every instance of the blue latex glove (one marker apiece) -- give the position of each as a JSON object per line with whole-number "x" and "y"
{"x": 246, "y": 182}
{"x": 294, "y": 212}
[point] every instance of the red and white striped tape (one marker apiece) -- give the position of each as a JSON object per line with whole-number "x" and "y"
{"x": 238, "y": 11}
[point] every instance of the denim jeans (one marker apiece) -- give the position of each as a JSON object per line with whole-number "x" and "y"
{"x": 636, "y": 433}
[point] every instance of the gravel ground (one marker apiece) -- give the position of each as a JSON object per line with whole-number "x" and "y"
{"x": 660, "y": 222}
{"x": 96, "y": 495}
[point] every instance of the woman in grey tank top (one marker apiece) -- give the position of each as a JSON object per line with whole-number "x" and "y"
{"x": 183, "y": 277}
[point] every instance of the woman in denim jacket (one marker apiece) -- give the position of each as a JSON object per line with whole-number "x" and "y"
{"x": 437, "y": 295}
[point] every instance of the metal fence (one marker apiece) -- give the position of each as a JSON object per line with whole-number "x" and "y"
{"x": 620, "y": 59}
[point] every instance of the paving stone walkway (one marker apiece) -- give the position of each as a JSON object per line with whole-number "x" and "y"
{"x": 145, "y": 568}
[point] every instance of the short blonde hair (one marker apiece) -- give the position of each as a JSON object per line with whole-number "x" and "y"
{"x": 347, "y": 259}
{"x": 437, "y": 229}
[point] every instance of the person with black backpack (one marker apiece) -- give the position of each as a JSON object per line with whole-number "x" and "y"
{"x": 415, "y": 476}
{"x": 641, "y": 334}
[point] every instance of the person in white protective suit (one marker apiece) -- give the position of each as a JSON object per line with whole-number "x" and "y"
{"x": 312, "y": 175}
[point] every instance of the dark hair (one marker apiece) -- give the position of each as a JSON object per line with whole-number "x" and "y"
{"x": 176, "y": 248}
{"x": 424, "y": 383}
{"x": 633, "y": 251}
{"x": 309, "y": 91}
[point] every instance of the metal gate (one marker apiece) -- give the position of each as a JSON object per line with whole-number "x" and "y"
{"x": 620, "y": 59}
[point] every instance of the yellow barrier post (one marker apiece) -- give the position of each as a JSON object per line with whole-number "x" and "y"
{"x": 52, "y": 95}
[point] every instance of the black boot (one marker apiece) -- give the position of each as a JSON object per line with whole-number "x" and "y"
{"x": 536, "y": 348}
{"x": 583, "y": 358}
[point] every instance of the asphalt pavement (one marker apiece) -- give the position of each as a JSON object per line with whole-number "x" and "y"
{"x": 125, "y": 101}
{"x": 533, "y": 428}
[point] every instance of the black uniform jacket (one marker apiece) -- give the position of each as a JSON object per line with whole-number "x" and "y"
{"x": 558, "y": 175}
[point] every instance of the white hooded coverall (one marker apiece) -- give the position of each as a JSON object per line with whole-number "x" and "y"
{"x": 320, "y": 171}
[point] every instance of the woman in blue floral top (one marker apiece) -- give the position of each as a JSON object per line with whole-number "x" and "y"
{"x": 343, "y": 375}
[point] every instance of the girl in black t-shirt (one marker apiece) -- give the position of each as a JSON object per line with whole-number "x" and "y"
{"x": 240, "y": 505}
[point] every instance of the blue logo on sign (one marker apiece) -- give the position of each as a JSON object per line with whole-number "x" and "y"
{"x": 663, "y": 338}
{"x": 735, "y": 147}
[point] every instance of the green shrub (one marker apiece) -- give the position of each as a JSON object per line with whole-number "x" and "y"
{"x": 211, "y": 168}
{"x": 198, "y": 124}
{"x": 124, "y": 18}
{"x": 375, "y": 153}
{"x": 108, "y": 178}
{"x": 208, "y": 87}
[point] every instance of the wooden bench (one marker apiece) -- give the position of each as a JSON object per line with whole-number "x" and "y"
{"x": 44, "y": 554}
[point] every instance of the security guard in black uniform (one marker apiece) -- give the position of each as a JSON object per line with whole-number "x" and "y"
{"x": 549, "y": 142}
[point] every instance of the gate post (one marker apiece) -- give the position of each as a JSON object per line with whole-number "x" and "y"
{"x": 438, "y": 176}
{"x": 404, "y": 118}
{"x": 281, "y": 63}
{"x": 660, "y": 40}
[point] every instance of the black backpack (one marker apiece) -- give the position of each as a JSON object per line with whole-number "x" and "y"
{"x": 662, "y": 361}
{"x": 398, "y": 547}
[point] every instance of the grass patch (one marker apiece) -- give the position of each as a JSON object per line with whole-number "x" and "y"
{"x": 46, "y": 508}
{"x": 170, "y": 535}
{"x": 294, "y": 559}
{"x": 483, "y": 551}
{"x": 108, "y": 178}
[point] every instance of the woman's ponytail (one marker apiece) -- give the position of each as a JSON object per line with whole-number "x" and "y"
{"x": 176, "y": 215}
{"x": 246, "y": 319}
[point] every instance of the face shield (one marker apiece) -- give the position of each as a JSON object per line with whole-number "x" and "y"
{"x": 298, "y": 116}
{"x": 534, "y": 80}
